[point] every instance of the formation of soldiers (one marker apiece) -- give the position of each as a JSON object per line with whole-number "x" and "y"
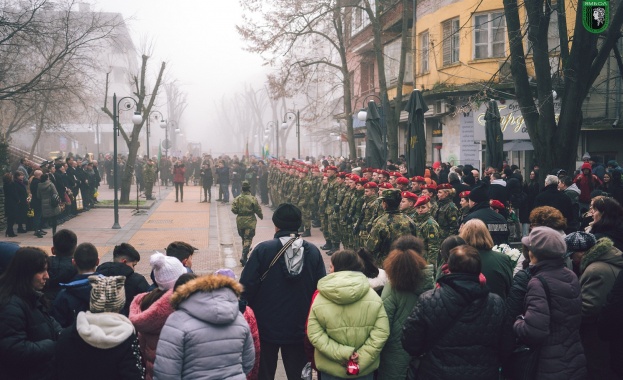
{"x": 370, "y": 210}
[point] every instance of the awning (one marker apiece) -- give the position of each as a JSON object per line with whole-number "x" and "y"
{"x": 518, "y": 145}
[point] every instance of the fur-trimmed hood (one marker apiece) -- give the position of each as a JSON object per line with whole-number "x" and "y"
{"x": 211, "y": 298}
{"x": 605, "y": 251}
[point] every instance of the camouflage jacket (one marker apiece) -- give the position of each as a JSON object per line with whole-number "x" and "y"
{"x": 322, "y": 198}
{"x": 377, "y": 211}
{"x": 356, "y": 204}
{"x": 149, "y": 173}
{"x": 386, "y": 229}
{"x": 448, "y": 218}
{"x": 411, "y": 212}
{"x": 428, "y": 231}
{"x": 367, "y": 212}
{"x": 306, "y": 194}
{"x": 345, "y": 205}
{"x": 294, "y": 195}
{"x": 245, "y": 206}
{"x": 331, "y": 196}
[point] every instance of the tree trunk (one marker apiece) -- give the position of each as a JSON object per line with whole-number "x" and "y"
{"x": 126, "y": 179}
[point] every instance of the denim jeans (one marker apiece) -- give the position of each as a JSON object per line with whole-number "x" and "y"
{"x": 225, "y": 190}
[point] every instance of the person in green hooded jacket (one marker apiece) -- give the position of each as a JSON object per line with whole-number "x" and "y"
{"x": 362, "y": 328}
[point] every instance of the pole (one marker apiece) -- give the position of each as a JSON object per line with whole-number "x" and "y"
{"x": 277, "y": 139}
{"x": 166, "y": 138}
{"x": 148, "y": 121}
{"x": 298, "y": 132}
{"x": 115, "y": 112}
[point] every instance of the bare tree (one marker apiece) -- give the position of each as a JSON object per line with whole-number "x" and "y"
{"x": 145, "y": 102}
{"x": 176, "y": 105}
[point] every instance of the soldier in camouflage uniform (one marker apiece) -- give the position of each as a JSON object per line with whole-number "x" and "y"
{"x": 246, "y": 206}
{"x": 447, "y": 215}
{"x": 346, "y": 225}
{"x": 367, "y": 212}
{"x": 388, "y": 227}
{"x": 378, "y": 209}
{"x": 149, "y": 177}
{"x": 431, "y": 192}
{"x": 322, "y": 205}
{"x": 316, "y": 189}
{"x": 416, "y": 185}
{"x": 427, "y": 230}
{"x": 305, "y": 200}
{"x": 330, "y": 209}
{"x": 355, "y": 209}
{"x": 402, "y": 184}
{"x": 464, "y": 195}
{"x": 334, "y": 219}
{"x": 407, "y": 204}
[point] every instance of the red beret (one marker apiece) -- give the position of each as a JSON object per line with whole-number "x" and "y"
{"x": 354, "y": 177}
{"x": 409, "y": 195}
{"x": 402, "y": 181}
{"x": 370, "y": 185}
{"x": 422, "y": 200}
{"x": 464, "y": 194}
{"x": 444, "y": 186}
{"x": 495, "y": 204}
{"x": 386, "y": 185}
{"x": 418, "y": 179}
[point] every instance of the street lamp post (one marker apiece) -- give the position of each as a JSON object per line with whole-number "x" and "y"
{"x": 274, "y": 126}
{"x": 363, "y": 115}
{"x": 297, "y": 115}
{"x": 137, "y": 119}
{"x": 148, "y": 125}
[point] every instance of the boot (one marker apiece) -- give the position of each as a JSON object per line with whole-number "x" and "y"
{"x": 335, "y": 248}
{"x": 243, "y": 259}
{"x": 326, "y": 246}
{"x": 38, "y": 234}
{"x": 306, "y": 233}
{"x": 315, "y": 223}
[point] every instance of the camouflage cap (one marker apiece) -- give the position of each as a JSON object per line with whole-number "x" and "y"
{"x": 391, "y": 195}
{"x": 246, "y": 185}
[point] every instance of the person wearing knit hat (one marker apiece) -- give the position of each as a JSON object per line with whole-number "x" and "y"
{"x": 552, "y": 300}
{"x": 598, "y": 263}
{"x": 149, "y": 311}
{"x": 101, "y": 342}
{"x": 287, "y": 217}
{"x": 246, "y": 207}
{"x": 479, "y": 194}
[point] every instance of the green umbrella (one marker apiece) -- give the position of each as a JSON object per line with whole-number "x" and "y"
{"x": 416, "y": 138}
{"x": 493, "y": 134}
{"x": 375, "y": 154}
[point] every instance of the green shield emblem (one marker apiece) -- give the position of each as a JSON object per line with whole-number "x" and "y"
{"x": 595, "y": 15}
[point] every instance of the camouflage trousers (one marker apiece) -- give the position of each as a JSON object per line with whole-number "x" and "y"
{"x": 334, "y": 228}
{"x": 362, "y": 238}
{"x": 324, "y": 226}
{"x": 247, "y": 235}
{"x": 346, "y": 234}
{"x": 306, "y": 216}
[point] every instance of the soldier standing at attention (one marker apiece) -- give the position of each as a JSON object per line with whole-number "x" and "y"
{"x": 306, "y": 199}
{"x": 448, "y": 214}
{"x": 367, "y": 212}
{"x": 245, "y": 206}
{"x": 407, "y": 204}
{"x": 149, "y": 177}
{"x": 389, "y": 226}
{"x": 427, "y": 230}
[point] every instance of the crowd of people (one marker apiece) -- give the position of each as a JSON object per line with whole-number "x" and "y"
{"x": 422, "y": 283}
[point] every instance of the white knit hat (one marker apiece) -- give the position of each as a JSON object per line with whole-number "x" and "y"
{"x": 167, "y": 269}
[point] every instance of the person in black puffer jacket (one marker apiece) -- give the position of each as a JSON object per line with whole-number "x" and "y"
{"x": 27, "y": 332}
{"x": 459, "y": 326}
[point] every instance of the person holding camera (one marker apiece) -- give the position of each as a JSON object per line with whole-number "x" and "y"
{"x": 178, "y": 179}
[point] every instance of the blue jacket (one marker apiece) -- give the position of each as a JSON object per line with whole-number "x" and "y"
{"x": 73, "y": 298}
{"x": 281, "y": 302}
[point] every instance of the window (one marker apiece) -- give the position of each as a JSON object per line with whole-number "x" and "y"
{"x": 367, "y": 77}
{"x": 424, "y": 49}
{"x": 489, "y": 30}
{"x": 360, "y": 17}
{"x": 392, "y": 61}
{"x": 450, "y": 41}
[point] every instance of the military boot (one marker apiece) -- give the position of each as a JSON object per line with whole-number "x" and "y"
{"x": 306, "y": 233}
{"x": 243, "y": 259}
{"x": 334, "y": 248}
{"x": 327, "y": 246}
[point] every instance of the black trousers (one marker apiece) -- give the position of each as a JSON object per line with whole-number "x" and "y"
{"x": 292, "y": 355}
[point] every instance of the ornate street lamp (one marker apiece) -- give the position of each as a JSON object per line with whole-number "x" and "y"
{"x": 297, "y": 115}
{"x": 137, "y": 119}
{"x": 156, "y": 113}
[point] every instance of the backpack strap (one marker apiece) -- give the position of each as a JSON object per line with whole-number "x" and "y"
{"x": 277, "y": 256}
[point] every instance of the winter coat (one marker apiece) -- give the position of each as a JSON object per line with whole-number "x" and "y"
{"x": 281, "y": 302}
{"x": 555, "y": 329}
{"x": 73, "y": 298}
{"x": 613, "y": 233}
{"x": 550, "y": 196}
{"x": 22, "y": 205}
{"x": 498, "y": 270}
{"x": 399, "y": 305}
{"x": 134, "y": 282}
{"x": 46, "y": 191}
{"x": 61, "y": 271}
{"x": 587, "y": 184}
{"x": 496, "y": 223}
{"x": 600, "y": 267}
{"x": 222, "y": 175}
{"x": 35, "y": 202}
{"x": 498, "y": 191}
{"x": 531, "y": 189}
{"x": 459, "y": 328}
{"x": 609, "y": 322}
{"x": 99, "y": 346}
{"x": 11, "y": 200}
{"x": 178, "y": 174}
{"x": 207, "y": 336}
{"x": 362, "y": 325}
{"x": 148, "y": 324}
{"x": 517, "y": 294}
{"x": 27, "y": 340}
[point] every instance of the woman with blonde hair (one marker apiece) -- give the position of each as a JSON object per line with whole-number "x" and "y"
{"x": 409, "y": 277}
{"x": 496, "y": 267}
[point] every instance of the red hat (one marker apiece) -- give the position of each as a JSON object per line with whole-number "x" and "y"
{"x": 409, "y": 195}
{"x": 422, "y": 200}
{"x": 418, "y": 179}
{"x": 370, "y": 185}
{"x": 429, "y": 187}
{"x": 394, "y": 174}
{"x": 436, "y": 164}
{"x": 354, "y": 177}
{"x": 497, "y": 205}
{"x": 386, "y": 185}
{"x": 444, "y": 186}
{"x": 331, "y": 168}
{"x": 464, "y": 194}
{"x": 402, "y": 181}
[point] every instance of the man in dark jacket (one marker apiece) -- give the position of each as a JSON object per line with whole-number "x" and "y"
{"x": 222, "y": 173}
{"x": 479, "y": 209}
{"x": 497, "y": 188}
{"x": 550, "y": 196}
{"x": 455, "y": 181}
{"x": 125, "y": 258}
{"x": 459, "y": 326}
{"x": 60, "y": 267}
{"x": 280, "y": 295}
{"x": 75, "y": 295}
